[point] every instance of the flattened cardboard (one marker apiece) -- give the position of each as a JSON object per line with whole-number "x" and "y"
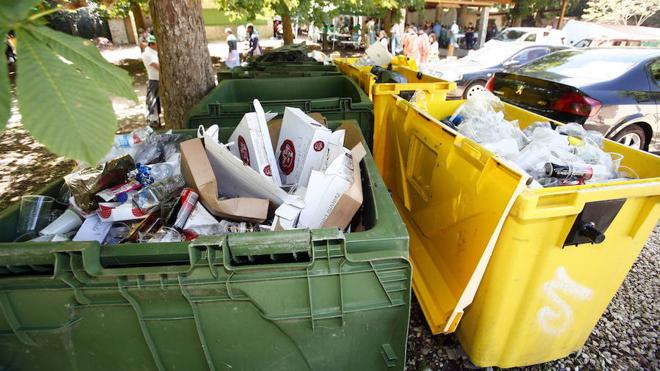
{"x": 199, "y": 175}
{"x": 239, "y": 180}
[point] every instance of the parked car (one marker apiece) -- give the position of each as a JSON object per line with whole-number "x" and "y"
{"x": 600, "y": 42}
{"x": 612, "y": 90}
{"x": 473, "y": 71}
{"x": 530, "y": 34}
{"x": 577, "y": 31}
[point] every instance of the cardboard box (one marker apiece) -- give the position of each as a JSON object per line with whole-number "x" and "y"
{"x": 334, "y": 196}
{"x": 252, "y": 144}
{"x": 199, "y": 175}
{"x": 302, "y": 147}
{"x": 286, "y": 217}
{"x": 349, "y": 202}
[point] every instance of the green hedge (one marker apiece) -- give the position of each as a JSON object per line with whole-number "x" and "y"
{"x": 215, "y": 17}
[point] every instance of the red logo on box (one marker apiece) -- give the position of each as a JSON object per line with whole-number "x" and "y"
{"x": 319, "y": 145}
{"x": 243, "y": 150}
{"x": 104, "y": 212}
{"x": 267, "y": 170}
{"x": 287, "y": 156}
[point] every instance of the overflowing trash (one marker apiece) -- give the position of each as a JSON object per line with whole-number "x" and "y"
{"x": 375, "y": 55}
{"x": 554, "y": 155}
{"x": 293, "y": 53}
{"x": 288, "y": 173}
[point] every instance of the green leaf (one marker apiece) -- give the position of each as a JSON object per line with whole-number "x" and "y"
{"x": 62, "y": 109}
{"x": 86, "y": 57}
{"x": 12, "y": 11}
{"x": 5, "y": 96}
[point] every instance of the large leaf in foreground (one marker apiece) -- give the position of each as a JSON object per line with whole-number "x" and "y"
{"x": 12, "y": 11}
{"x": 5, "y": 99}
{"x": 86, "y": 57}
{"x": 61, "y": 108}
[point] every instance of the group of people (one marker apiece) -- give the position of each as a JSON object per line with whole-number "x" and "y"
{"x": 424, "y": 42}
{"x": 233, "y": 58}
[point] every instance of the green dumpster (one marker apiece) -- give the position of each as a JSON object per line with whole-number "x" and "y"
{"x": 335, "y": 97}
{"x": 340, "y": 302}
{"x": 287, "y": 70}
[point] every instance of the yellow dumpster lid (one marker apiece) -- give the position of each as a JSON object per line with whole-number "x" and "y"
{"x": 454, "y": 197}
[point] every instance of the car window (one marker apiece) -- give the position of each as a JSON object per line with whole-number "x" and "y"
{"x": 595, "y": 65}
{"x": 509, "y": 35}
{"x": 654, "y": 69}
{"x": 529, "y": 55}
{"x": 531, "y": 37}
{"x": 582, "y": 43}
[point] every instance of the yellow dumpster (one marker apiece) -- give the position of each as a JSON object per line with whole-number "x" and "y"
{"x": 347, "y": 67}
{"x": 507, "y": 266}
{"x": 435, "y": 93}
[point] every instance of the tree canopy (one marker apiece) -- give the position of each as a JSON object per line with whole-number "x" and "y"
{"x": 621, "y": 12}
{"x": 315, "y": 10}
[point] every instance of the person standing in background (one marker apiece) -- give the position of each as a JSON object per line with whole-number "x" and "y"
{"x": 254, "y": 49}
{"x": 395, "y": 39}
{"x": 382, "y": 39}
{"x": 453, "y": 39}
{"x": 409, "y": 41}
{"x": 437, "y": 29}
{"x": 469, "y": 37}
{"x": 142, "y": 39}
{"x": 150, "y": 60}
{"x": 422, "y": 45}
{"x": 233, "y": 58}
{"x": 371, "y": 32}
{"x": 434, "y": 49}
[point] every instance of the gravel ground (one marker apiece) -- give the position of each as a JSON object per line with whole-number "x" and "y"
{"x": 625, "y": 338}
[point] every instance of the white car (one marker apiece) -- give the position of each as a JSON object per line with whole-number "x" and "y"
{"x": 547, "y": 36}
{"x": 473, "y": 71}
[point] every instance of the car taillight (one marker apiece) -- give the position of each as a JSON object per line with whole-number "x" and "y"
{"x": 577, "y": 104}
{"x": 490, "y": 84}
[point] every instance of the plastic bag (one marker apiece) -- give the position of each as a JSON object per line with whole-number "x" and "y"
{"x": 420, "y": 99}
{"x": 491, "y": 127}
{"x": 480, "y": 103}
{"x": 158, "y": 148}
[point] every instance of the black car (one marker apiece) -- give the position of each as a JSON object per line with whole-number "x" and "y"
{"x": 473, "y": 71}
{"x": 615, "y": 91}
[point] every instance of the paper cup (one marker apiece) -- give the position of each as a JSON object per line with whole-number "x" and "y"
{"x": 67, "y": 222}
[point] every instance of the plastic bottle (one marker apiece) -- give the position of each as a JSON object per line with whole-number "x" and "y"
{"x": 580, "y": 172}
{"x": 151, "y": 196}
{"x": 135, "y": 137}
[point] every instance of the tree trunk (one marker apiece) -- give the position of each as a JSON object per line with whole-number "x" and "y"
{"x": 516, "y": 21}
{"x": 186, "y": 72}
{"x": 138, "y": 15}
{"x": 288, "y": 30}
{"x": 387, "y": 21}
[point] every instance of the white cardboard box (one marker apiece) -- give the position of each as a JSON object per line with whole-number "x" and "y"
{"x": 302, "y": 147}
{"x": 333, "y": 196}
{"x": 251, "y": 143}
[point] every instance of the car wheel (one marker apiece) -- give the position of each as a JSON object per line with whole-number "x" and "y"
{"x": 632, "y": 136}
{"x": 473, "y": 89}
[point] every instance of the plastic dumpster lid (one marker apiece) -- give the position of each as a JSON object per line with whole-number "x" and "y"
{"x": 454, "y": 215}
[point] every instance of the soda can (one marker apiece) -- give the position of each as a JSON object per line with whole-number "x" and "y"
{"x": 188, "y": 200}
